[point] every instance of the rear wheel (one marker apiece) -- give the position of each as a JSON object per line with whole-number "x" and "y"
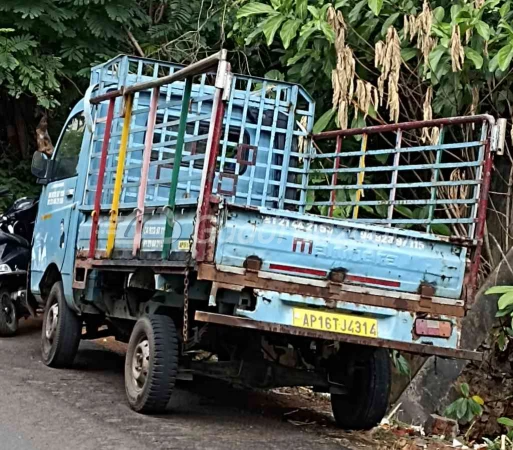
{"x": 61, "y": 332}
{"x": 8, "y": 314}
{"x": 151, "y": 364}
{"x": 366, "y": 402}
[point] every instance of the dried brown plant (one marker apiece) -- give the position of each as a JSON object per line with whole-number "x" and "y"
{"x": 388, "y": 60}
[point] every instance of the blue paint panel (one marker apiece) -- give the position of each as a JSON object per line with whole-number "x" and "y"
{"x": 55, "y": 225}
{"x": 380, "y": 253}
{"x": 152, "y": 236}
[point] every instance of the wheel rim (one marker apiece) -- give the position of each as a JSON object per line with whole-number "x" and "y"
{"x": 8, "y": 308}
{"x": 50, "y": 327}
{"x": 140, "y": 364}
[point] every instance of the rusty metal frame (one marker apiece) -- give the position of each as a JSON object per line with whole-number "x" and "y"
{"x": 229, "y": 176}
{"x": 101, "y": 177}
{"x": 481, "y": 223}
{"x": 203, "y": 223}
{"x": 331, "y": 294}
{"x": 130, "y": 265}
{"x": 405, "y": 126}
{"x": 240, "y": 154}
{"x": 421, "y": 349}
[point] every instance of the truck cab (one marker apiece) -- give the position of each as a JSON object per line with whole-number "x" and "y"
{"x": 58, "y": 215}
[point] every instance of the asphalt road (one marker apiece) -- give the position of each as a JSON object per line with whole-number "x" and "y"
{"x": 84, "y": 409}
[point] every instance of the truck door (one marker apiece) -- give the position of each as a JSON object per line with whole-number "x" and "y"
{"x": 58, "y": 198}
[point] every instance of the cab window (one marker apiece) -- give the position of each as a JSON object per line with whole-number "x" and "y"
{"x": 66, "y": 157}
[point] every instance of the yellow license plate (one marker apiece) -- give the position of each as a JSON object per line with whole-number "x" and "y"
{"x": 336, "y": 323}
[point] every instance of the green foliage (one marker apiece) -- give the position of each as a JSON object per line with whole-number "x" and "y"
{"x": 507, "y": 422}
{"x": 505, "y": 311}
{"x": 324, "y": 121}
{"x": 17, "y": 177}
{"x": 400, "y": 363}
{"x": 496, "y": 444}
{"x": 465, "y": 408}
{"x": 48, "y": 46}
{"x": 299, "y": 32}
{"x": 50, "y": 40}
{"x": 24, "y": 71}
{"x": 304, "y": 34}
{"x": 44, "y": 43}
{"x": 295, "y": 38}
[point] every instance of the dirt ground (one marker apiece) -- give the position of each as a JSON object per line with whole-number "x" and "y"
{"x": 492, "y": 380}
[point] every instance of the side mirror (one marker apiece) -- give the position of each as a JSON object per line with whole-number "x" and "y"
{"x": 39, "y": 166}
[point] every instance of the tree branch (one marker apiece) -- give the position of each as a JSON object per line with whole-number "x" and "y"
{"x": 134, "y": 42}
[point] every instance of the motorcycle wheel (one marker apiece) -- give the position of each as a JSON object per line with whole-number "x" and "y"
{"x": 8, "y": 314}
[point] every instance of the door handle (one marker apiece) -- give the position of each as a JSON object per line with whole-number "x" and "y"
{"x": 70, "y": 193}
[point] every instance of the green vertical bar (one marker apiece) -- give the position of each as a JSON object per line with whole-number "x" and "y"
{"x": 177, "y": 161}
{"x": 434, "y": 178}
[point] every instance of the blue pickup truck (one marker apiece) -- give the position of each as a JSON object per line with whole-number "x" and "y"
{"x": 191, "y": 213}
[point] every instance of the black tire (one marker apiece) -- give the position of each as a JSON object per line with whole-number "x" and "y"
{"x": 61, "y": 332}
{"x": 367, "y": 400}
{"x": 8, "y": 314}
{"x": 151, "y": 364}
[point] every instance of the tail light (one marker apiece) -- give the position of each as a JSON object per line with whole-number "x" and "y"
{"x": 433, "y": 328}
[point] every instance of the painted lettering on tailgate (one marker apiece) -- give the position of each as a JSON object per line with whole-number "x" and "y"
{"x": 154, "y": 230}
{"x": 310, "y": 227}
{"x": 151, "y": 244}
{"x": 346, "y": 253}
{"x": 319, "y": 228}
{"x": 398, "y": 241}
{"x": 300, "y": 245}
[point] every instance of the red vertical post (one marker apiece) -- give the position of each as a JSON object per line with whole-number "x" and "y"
{"x": 481, "y": 216}
{"x": 334, "y": 177}
{"x": 101, "y": 176}
{"x": 148, "y": 144}
{"x": 204, "y": 211}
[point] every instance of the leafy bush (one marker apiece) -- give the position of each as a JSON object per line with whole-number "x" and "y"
{"x": 17, "y": 177}
{"x": 505, "y": 310}
{"x": 463, "y": 47}
{"x": 401, "y": 363}
{"x": 496, "y": 444}
{"x": 465, "y": 408}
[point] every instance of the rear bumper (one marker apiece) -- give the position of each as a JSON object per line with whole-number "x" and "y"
{"x": 330, "y": 294}
{"x": 395, "y": 313}
{"x": 421, "y": 349}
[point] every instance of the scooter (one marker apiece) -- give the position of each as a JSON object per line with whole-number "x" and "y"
{"x": 16, "y": 229}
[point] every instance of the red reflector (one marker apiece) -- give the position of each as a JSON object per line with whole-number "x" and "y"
{"x": 304, "y": 270}
{"x": 368, "y": 280}
{"x": 433, "y": 328}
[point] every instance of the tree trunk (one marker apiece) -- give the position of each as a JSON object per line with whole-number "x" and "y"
{"x": 21, "y": 129}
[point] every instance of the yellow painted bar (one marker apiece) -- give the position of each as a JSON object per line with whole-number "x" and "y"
{"x": 361, "y": 176}
{"x": 114, "y": 211}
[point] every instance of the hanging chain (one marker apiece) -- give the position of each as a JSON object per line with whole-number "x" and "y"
{"x": 186, "y": 285}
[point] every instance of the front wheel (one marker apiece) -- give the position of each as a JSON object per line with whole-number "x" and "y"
{"x": 366, "y": 402}
{"x": 151, "y": 364}
{"x": 8, "y": 314}
{"x": 61, "y": 332}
